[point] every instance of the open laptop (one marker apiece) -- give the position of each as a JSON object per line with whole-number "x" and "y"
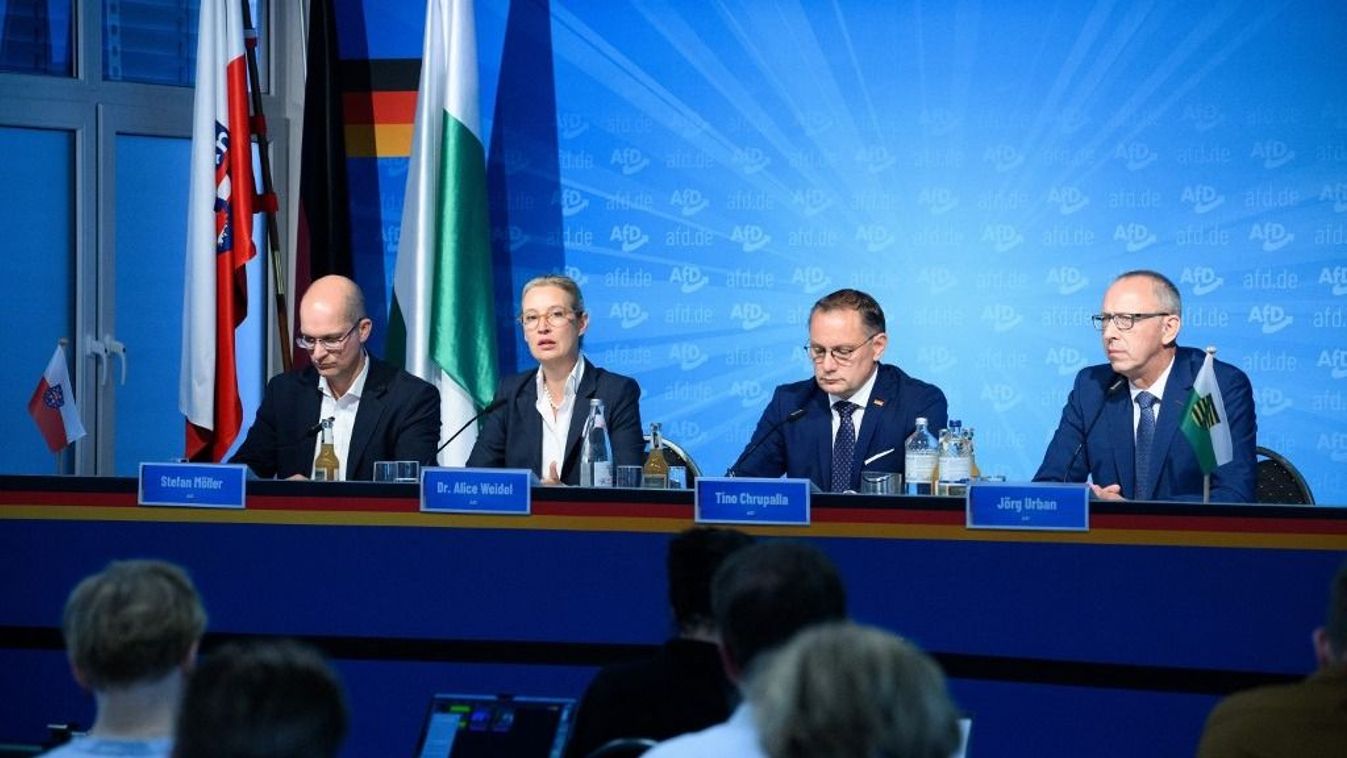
{"x": 489, "y": 726}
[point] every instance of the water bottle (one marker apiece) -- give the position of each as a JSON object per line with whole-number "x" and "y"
{"x": 921, "y": 452}
{"x": 955, "y": 460}
{"x": 596, "y": 452}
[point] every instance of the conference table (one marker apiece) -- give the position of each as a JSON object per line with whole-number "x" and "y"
{"x": 1113, "y": 641}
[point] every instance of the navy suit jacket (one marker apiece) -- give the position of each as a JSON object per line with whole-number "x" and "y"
{"x": 1108, "y": 455}
{"x": 398, "y": 420}
{"x": 804, "y": 448}
{"x": 512, "y": 436}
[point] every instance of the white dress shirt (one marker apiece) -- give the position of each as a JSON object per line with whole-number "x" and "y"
{"x": 557, "y": 417}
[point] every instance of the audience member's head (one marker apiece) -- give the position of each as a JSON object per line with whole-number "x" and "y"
{"x": 262, "y": 700}
{"x": 694, "y": 556}
{"x": 764, "y": 594}
{"x": 842, "y": 690}
{"x": 1330, "y": 640}
{"x": 135, "y": 622}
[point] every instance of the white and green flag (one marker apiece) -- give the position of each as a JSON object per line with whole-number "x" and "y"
{"x": 442, "y": 322}
{"x": 1204, "y": 420}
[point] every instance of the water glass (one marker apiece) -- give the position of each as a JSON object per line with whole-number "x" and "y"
{"x": 629, "y": 476}
{"x": 397, "y": 471}
{"x": 881, "y": 482}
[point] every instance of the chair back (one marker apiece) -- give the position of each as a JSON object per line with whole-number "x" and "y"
{"x": 1279, "y": 482}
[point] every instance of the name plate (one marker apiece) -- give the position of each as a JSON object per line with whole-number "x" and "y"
{"x": 501, "y": 491}
{"x": 194, "y": 485}
{"x": 749, "y": 500}
{"x": 1034, "y": 506}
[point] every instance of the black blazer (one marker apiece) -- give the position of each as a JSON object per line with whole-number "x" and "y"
{"x": 398, "y": 420}
{"x": 512, "y": 437}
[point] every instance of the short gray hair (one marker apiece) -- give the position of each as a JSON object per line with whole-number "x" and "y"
{"x": 1165, "y": 292}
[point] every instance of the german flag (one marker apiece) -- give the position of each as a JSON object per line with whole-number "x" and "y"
{"x": 379, "y": 104}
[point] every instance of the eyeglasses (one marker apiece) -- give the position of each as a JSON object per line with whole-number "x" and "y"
{"x": 1123, "y": 321}
{"x": 330, "y": 344}
{"x": 555, "y": 317}
{"x": 843, "y": 355}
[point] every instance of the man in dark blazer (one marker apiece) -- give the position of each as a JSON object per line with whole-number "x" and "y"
{"x": 382, "y": 413}
{"x": 1102, "y": 421}
{"x": 831, "y": 444}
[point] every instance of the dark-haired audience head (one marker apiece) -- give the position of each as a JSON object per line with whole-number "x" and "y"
{"x": 133, "y": 623}
{"x": 262, "y": 700}
{"x": 764, "y": 594}
{"x": 842, "y": 690}
{"x": 694, "y": 556}
{"x": 1330, "y": 640}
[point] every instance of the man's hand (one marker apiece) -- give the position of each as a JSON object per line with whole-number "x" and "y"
{"x": 1111, "y": 492}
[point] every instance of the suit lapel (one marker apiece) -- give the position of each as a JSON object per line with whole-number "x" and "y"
{"x": 310, "y": 407}
{"x": 883, "y": 399}
{"x": 823, "y": 451}
{"x": 1177, "y": 389}
{"x": 368, "y": 414}
{"x": 531, "y": 424}
{"x": 588, "y": 389}
{"x": 1122, "y": 438}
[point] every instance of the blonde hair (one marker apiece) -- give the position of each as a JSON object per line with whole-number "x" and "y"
{"x": 564, "y": 283}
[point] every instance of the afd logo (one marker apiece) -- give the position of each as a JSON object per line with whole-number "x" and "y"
{"x": 517, "y": 237}
{"x": 877, "y": 237}
{"x": 1335, "y": 444}
{"x": 750, "y": 393}
{"x": 1203, "y": 197}
{"x": 688, "y": 434}
{"x": 1072, "y": 120}
{"x": 576, "y": 275}
{"x": 688, "y": 355}
{"x": 688, "y": 201}
{"x": 1335, "y": 193}
{"x": 1068, "y": 279}
{"x": 1004, "y": 158}
{"x": 939, "y": 122}
{"x": 1136, "y": 237}
{"x": 938, "y": 279}
{"x": 1273, "y": 153}
{"x": 1273, "y": 318}
{"x": 1272, "y": 234}
{"x": 816, "y": 123}
{"x": 629, "y": 314}
{"x": 1135, "y": 155}
{"x": 571, "y": 125}
{"x": 750, "y": 315}
{"x": 811, "y": 279}
{"x": 1067, "y": 199}
{"x": 751, "y": 237}
{"x": 1335, "y": 277}
{"x": 1271, "y": 401}
{"x": 629, "y": 159}
{"x": 1003, "y": 397}
{"x": 572, "y": 201}
{"x": 938, "y": 200}
{"x": 515, "y": 161}
{"x": 1336, "y": 360}
{"x": 751, "y": 160}
{"x": 688, "y": 278}
{"x": 1002, "y": 317}
{"x": 1002, "y": 237}
{"x": 630, "y": 236}
{"x": 1203, "y": 279}
{"x": 812, "y": 201}
{"x": 1068, "y": 360}
{"x": 875, "y": 158}
{"x": 1204, "y": 117}
{"x": 938, "y": 358}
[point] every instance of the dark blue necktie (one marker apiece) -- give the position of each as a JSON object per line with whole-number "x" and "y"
{"x": 844, "y": 447}
{"x": 1145, "y": 440}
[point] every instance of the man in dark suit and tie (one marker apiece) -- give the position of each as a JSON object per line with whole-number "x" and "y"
{"x": 857, "y": 412}
{"x": 1120, "y": 426}
{"x": 379, "y": 412}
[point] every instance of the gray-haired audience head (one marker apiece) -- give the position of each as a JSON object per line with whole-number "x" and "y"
{"x": 847, "y": 691}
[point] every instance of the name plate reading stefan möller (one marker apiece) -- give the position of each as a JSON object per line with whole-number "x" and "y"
{"x": 500, "y": 491}
{"x": 1034, "y": 506}
{"x": 750, "y": 500}
{"x": 195, "y": 485}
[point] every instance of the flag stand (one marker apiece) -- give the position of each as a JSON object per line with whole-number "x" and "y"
{"x": 267, "y": 200}
{"x": 1206, "y": 488}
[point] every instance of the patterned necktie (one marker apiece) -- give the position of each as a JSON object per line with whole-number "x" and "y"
{"x": 1145, "y": 440}
{"x": 844, "y": 447}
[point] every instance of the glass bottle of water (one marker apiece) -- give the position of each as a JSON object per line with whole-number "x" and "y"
{"x": 596, "y": 452}
{"x": 955, "y": 461}
{"x": 921, "y": 452}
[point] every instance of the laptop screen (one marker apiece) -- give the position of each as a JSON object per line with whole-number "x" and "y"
{"x": 486, "y": 726}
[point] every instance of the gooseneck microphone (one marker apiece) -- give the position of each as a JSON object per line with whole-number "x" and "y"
{"x": 1108, "y": 393}
{"x": 491, "y": 406}
{"x": 794, "y": 415}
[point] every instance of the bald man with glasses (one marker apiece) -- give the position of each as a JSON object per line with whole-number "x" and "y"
{"x": 1120, "y": 426}
{"x": 853, "y": 415}
{"x": 379, "y": 411}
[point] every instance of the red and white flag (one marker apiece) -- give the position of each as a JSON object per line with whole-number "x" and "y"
{"x": 53, "y": 405}
{"x": 219, "y": 234}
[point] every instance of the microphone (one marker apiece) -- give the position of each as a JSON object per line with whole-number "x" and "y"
{"x": 794, "y": 415}
{"x": 1112, "y": 388}
{"x": 491, "y": 406}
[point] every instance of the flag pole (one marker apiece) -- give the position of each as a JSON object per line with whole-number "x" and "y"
{"x": 61, "y": 344}
{"x": 267, "y": 199}
{"x": 1206, "y": 488}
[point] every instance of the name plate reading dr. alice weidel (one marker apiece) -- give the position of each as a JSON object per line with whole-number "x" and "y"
{"x": 750, "y": 500}
{"x": 1035, "y": 506}
{"x": 194, "y": 485}
{"x": 499, "y": 491}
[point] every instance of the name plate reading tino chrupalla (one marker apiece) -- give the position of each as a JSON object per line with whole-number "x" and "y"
{"x": 496, "y": 491}
{"x": 192, "y": 485}
{"x": 751, "y": 500}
